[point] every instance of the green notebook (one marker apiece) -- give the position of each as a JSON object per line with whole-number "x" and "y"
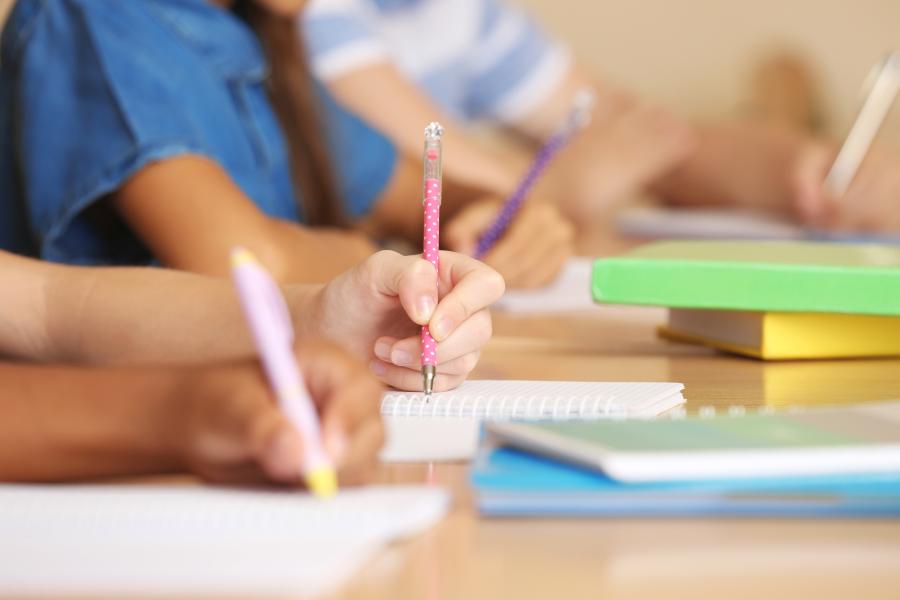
{"x": 763, "y": 276}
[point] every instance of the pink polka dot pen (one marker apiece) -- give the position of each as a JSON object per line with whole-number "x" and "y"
{"x": 431, "y": 237}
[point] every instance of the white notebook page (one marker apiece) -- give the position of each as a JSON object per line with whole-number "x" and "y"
{"x": 157, "y": 540}
{"x": 571, "y": 291}
{"x": 445, "y": 427}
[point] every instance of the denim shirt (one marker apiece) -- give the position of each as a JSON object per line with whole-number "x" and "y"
{"x": 92, "y": 91}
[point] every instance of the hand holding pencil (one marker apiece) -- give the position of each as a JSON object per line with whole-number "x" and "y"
{"x": 854, "y": 188}
{"x": 529, "y": 254}
{"x": 377, "y": 309}
{"x": 528, "y": 241}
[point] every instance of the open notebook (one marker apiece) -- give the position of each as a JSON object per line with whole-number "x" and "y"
{"x": 113, "y": 541}
{"x": 446, "y": 426}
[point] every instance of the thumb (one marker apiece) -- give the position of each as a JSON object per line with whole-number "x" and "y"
{"x": 410, "y": 278}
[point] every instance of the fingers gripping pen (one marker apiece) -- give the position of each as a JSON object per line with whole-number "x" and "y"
{"x": 431, "y": 236}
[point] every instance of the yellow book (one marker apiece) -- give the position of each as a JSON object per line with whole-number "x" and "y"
{"x": 786, "y": 335}
{"x": 780, "y": 384}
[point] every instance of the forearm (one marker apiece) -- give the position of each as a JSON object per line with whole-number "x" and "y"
{"x": 23, "y": 311}
{"x": 391, "y": 103}
{"x": 60, "y": 423}
{"x": 736, "y": 164}
{"x": 303, "y": 255}
{"x": 547, "y": 117}
{"x": 398, "y": 211}
{"x": 141, "y": 315}
{"x": 191, "y": 214}
{"x": 149, "y": 316}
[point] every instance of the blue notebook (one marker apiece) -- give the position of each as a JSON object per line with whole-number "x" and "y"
{"x": 513, "y": 483}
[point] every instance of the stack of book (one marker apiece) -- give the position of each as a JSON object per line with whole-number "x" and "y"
{"x": 833, "y": 462}
{"x": 768, "y": 300}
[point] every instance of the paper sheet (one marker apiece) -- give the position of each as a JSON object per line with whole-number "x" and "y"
{"x": 659, "y": 222}
{"x": 570, "y": 292}
{"x": 125, "y": 540}
{"x": 655, "y": 222}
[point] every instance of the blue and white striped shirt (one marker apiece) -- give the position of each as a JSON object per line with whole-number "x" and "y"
{"x": 478, "y": 59}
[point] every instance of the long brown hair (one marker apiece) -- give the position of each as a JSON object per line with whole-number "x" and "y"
{"x": 293, "y": 98}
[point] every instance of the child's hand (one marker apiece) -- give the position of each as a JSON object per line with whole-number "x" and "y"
{"x": 233, "y": 431}
{"x": 628, "y": 145}
{"x": 532, "y": 250}
{"x": 870, "y": 204}
{"x": 376, "y": 310}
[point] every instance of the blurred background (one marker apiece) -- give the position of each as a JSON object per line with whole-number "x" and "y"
{"x": 718, "y": 58}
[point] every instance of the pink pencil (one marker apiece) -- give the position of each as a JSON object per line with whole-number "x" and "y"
{"x": 431, "y": 237}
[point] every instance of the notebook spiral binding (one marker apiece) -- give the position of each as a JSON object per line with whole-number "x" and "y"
{"x": 734, "y": 410}
{"x": 500, "y": 407}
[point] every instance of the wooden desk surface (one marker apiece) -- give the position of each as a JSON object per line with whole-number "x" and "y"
{"x": 467, "y": 557}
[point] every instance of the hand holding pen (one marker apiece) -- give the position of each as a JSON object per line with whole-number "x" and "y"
{"x": 579, "y": 117}
{"x": 528, "y": 241}
{"x": 376, "y": 311}
{"x": 855, "y": 188}
{"x": 232, "y": 430}
{"x": 270, "y": 324}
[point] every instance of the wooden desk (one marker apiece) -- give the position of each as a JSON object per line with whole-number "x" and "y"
{"x": 467, "y": 557}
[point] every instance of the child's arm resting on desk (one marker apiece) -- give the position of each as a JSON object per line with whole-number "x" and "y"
{"x": 116, "y": 315}
{"x": 219, "y": 422}
{"x": 57, "y": 313}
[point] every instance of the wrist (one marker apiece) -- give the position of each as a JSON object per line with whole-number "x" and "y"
{"x": 306, "y": 305}
{"x": 53, "y": 336}
{"x": 165, "y": 394}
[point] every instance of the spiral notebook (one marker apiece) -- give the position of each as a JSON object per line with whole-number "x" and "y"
{"x": 446, "y": 426}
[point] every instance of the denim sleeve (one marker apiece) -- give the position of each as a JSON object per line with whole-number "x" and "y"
{"x": 363, "y": 159}
{"x": 91, "y": 96}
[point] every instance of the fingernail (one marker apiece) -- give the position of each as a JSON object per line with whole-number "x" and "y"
{"x": 383, "y": 350}
{"x": 425, "y": 306}
{"x": 442, "y": 328}
{"x": 378, "y": 368}
{"x": 401, "y": 358}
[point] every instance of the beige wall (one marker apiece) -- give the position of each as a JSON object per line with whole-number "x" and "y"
{"x": 695, "y": 54}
